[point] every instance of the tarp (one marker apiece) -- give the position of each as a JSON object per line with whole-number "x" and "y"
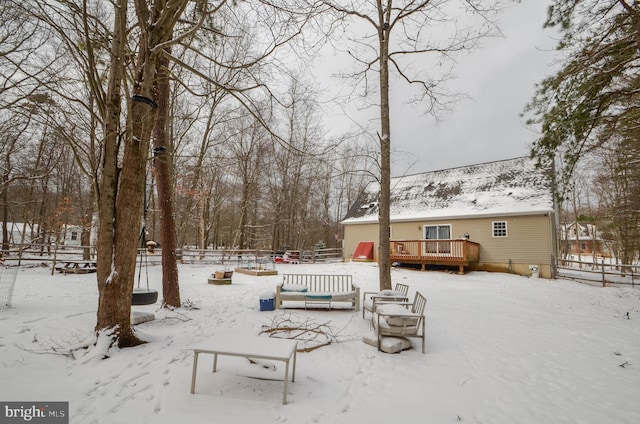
{"x": 364, "y": 250}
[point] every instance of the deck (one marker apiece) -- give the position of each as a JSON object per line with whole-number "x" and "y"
{"x": 460, "y": 252}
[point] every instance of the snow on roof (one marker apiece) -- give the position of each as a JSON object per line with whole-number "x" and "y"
{"x": 513, "y": 186}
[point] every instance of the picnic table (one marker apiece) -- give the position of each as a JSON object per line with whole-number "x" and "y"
{"x": 249, "y": 347}
{"x": 77, "y": 267}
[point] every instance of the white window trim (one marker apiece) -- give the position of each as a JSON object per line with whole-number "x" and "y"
{"x": 493, "y": 229}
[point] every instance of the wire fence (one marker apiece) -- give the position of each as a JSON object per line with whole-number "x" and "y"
{"x": 8, "y": 275}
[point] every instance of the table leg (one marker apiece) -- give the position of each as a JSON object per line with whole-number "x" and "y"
{"x": 286, "y": 381}
{"x": 295, "y": 353}
{"x": 193, "y": 373}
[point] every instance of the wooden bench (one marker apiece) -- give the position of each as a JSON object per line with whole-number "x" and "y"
{"x": 314, "y": 289}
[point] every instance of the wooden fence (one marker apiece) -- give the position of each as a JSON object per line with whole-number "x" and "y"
{"x": 237, "y": 256}
{"x": 231, "y": 257}
{"x": 600, "y": 273}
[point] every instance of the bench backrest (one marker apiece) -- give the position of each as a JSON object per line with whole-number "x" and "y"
{"x": 419, "y": 303}
{"x": 320, "y": 282}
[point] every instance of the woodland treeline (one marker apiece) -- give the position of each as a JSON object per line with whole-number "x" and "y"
{"x": 211, "y": 102}
{"x": 253, "y": 164}
{"x": 197, "y": 120}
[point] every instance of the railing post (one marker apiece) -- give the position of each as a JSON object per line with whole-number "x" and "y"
{"x": 603, "y": 274}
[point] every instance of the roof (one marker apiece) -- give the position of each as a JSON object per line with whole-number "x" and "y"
{"x": 507, "y": 187}
{"x": 587, "y": 231}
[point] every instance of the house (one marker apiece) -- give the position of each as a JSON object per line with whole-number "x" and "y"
{"x": 497, "y": 216}
{"x": 24, "y": 233}
{"x": 584, "y": 239}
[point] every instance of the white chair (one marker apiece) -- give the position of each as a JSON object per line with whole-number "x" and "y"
{"x": 400, "y": 319}
{"x": 370, "y": 299}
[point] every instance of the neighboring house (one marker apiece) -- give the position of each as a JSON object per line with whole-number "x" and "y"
{"x": 20, "y": 233}
{"x": 72, "y": 235}
{"x": 584, "y": 239}
{"x": 497, "y": 216}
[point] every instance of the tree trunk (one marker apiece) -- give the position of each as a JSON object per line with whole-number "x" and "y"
{"x": 121, "y": 200}
{"x": 164, "y": 178}
{"x": 130, "y": 197}
{"x": 88, "y": 207}
{"x": 5, "y": 213}
{"x": 114, "y": 287}
{"x": 384, "y": 259}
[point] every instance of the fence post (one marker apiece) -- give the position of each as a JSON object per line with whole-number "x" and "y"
{"x": 603, "y": 277}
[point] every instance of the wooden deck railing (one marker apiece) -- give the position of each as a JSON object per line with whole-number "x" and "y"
{"x": 439, "y": 252}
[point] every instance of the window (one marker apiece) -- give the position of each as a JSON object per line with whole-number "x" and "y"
{"x": 74, "y": 235}
{"x": 437, "y": 232}
{"x": 499, "y": 228}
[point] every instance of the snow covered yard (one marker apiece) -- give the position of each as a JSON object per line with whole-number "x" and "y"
{"x": 500, "y": 349}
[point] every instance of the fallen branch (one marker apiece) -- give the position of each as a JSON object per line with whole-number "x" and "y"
{"x": 70, "y": 350}
{"x": 310, "y": 334}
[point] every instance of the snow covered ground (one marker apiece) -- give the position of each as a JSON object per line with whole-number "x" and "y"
{"x": 500, "y": 349}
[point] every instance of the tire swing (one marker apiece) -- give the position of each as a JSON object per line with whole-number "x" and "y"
{"x": 141, "y": 295}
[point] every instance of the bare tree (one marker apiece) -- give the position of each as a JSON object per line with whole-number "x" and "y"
{"x": 31, "y": 152}
{"x": 294, "y": 181}
{"x": 389, "y": 36}
{"x": 21, "y": 36}
{"x": 10, "y": 146}
{"x": 233, "y": 63}
{"x": 247, "y": 141}
{"x": 206, "y": 102}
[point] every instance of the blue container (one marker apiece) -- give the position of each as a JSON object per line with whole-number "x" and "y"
{"x": 267, "y": 304}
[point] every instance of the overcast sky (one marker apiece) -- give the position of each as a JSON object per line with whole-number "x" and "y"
{"x": 499, "y": 79}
